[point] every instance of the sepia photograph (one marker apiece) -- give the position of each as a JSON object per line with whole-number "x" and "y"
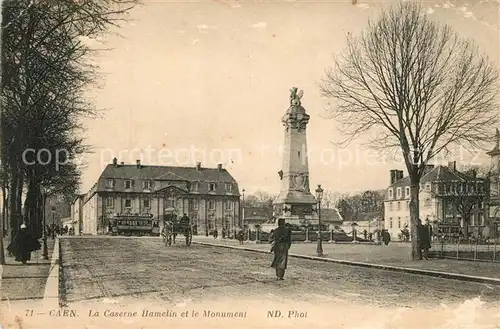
{"x": 250, "y": 164}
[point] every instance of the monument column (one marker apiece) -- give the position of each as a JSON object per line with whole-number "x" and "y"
{"x": 295, "y": 201}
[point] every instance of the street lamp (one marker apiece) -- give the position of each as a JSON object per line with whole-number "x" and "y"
{"x": 45, "y": 252}
{"x": 243, "y": 215}
{"x": 319, "y": 196}
{"x": 53, "y": 222}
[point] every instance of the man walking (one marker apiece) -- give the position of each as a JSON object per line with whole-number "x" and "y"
{"x": 425, "y": 238}
{"x": 281, "y": 239}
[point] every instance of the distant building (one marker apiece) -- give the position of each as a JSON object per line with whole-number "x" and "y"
{"x": 437, "y": 187}
{"x": 77, "y": 213}
{"x": 331, "y": 216}
{"x": 209, "y": 196}
{"x": 256, "y": 215}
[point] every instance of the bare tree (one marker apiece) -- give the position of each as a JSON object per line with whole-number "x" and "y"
{"x": 412, "y": 85}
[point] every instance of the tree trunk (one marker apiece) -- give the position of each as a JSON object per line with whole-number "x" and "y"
{"x": 414, "y": 215}
{"x": 31, "y": 204}
{"x": 466, "y": 228}
{"x": 19, "y": 199}
{"x": 2, "y": 226}
{"x": 14, "y": 226}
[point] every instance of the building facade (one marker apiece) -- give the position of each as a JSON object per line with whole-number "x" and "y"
{"x": 442, "y": 189}
{"x": 77, "y": 213}
{"x": 209, "y": 196}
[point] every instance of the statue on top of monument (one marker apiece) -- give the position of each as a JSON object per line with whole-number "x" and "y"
{"x": 295, "y": 96}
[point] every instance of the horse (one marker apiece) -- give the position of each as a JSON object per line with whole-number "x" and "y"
{"x": 167, "y": 233}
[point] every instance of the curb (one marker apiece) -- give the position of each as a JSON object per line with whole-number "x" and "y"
{"x": 444, "y": 275}
{"x": 51, "y": 294}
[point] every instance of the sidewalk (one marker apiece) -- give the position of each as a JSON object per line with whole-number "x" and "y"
{"x": 394, "y": 257}
{"x": 22, "y": 282}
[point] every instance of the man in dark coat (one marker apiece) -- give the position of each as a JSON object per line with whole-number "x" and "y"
{"x": 22, "y": 245}
{"x": 281, "y": 239}
{"x": 425, "y": 233}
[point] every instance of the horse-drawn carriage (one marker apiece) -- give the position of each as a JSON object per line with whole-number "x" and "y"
{"x": 172, "y": 228}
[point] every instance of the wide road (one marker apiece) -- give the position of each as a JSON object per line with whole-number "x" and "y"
{"x": 108, "y": 267}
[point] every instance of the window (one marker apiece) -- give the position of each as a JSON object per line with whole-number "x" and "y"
{"x": 128, "y": 183}
{"x": 211, "y": 187}
{"x": 407, "y": 191}
{"x": 195, "y": 204}
{"x": 128, "y": 203}
{"x": 390, "y": 206}
{"x": 390, "y": 222}
{"x": 110, "y": 183}
{"x": 399, "y": 192}
{"x": 427, "y": 187}
{"x": 229, "y": 187}
{"x": 170, "y": 203}
{"x": 146, "y": 185}
{"x": 211, "y": 205}
{"x": 407, "y": 205}
{"x": 229, "y": 205}
{"x": 146, "y": 203}
{"x": 399, "y": 222}
{"x": 390, "y": 193}
{"x": 196, "y": 186}
{"x": 399, "y": 205}
{"x": 109, "y": 202}
{"x": 481, "y": 205}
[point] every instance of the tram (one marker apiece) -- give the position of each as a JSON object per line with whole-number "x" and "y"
{"x": 135, "y": 225}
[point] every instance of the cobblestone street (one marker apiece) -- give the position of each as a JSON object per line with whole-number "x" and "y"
{"x": 144, "y": 268}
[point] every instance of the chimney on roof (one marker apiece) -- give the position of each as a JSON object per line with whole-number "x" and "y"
{"x": 138, "y": 162}
{"x": 399, "y": 175}
{"x": 393, "y": 176}
{"x": 219, "y": 166}
{"x": 198, "y": 166}
{"x": 396, "y": 175}
{"x": 452, "y": 165}
{"x": 122, "y": 163}
{"x": 427, "y": 168}
{"x": 115, "y": 162}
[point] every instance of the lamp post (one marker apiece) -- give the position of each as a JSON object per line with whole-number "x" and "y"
{"x": 319, "y": 196}
{"x": 53, "y": 222}
{"x": 45, "y": 252}
{"x": 243, "y": 216}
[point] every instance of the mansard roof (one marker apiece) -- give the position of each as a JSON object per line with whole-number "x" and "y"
{"x": 169, "y": 173}
{"x": 437, "y": 174}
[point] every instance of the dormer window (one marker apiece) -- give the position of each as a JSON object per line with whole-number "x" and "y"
{"x": 211, "y": 187}
{"x": 390, "y": 193}
{"x": 110, "y": 183}
{"x": 195, "y": 186}
{"x": 146, "y": 185}
{"x": 229, "y": 187}
{"x": 128, "y": 184}
{"x": 407, "y": 192}
{"x": 399, "y": 191}
{"x": 427, "y": 187}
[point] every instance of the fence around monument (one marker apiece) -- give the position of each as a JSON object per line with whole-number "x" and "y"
{"x": 473, "y": 249}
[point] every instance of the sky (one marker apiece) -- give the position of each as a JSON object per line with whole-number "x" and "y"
{"x": 209, "y": 81}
